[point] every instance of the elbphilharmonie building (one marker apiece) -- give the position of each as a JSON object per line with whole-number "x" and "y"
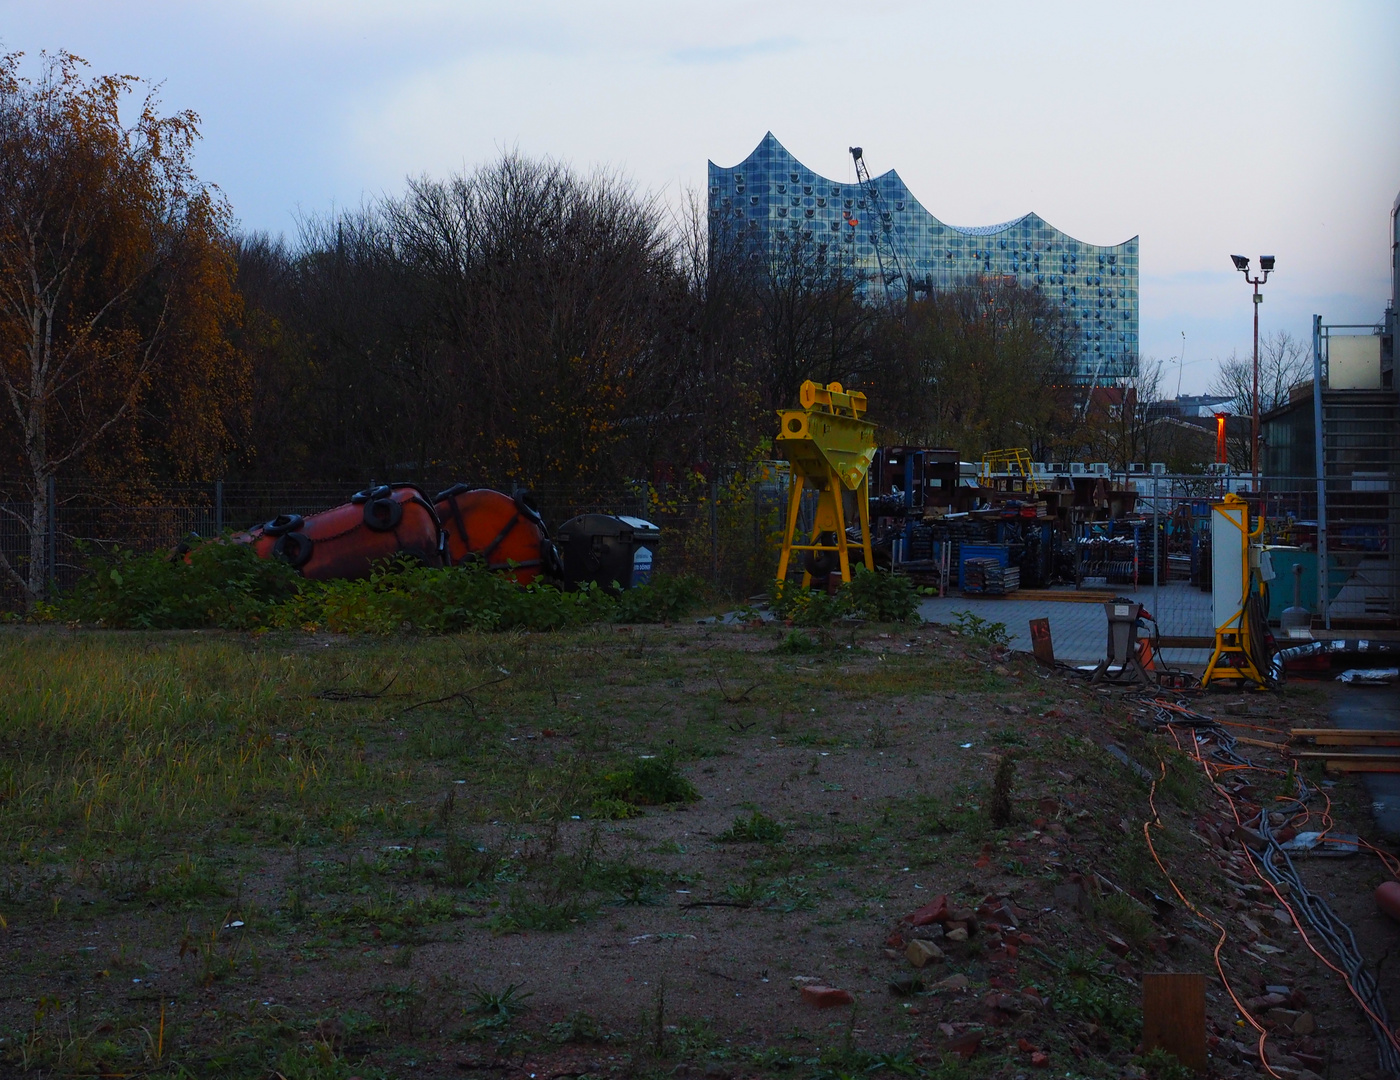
{"x": 770, "y": 197}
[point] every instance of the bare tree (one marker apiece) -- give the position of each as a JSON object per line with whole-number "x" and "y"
{"x": 1284, "y": 362}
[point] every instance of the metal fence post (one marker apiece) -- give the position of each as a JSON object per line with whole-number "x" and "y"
{"x": 714, "y": 530}
{"x": 51, "y": 539}
{"x": 218, "y": 508}
{"x": 1324, "y": 606}
{"x": 1156, "y": 552}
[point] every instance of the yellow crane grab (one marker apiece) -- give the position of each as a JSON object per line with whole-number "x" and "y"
{"x": 829, "y": 448}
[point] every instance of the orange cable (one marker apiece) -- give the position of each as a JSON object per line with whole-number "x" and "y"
{"x": 1390, "y": 1034}
{"x": 1220, "y": 942}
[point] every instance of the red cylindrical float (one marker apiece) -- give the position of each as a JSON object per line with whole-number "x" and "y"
{"x": 346, "y": 541}
{"x": 1388, "y": 898}
{"x": 499, "y": 530}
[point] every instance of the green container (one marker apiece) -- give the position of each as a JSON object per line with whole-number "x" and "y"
{"x": 1281, "y": 588}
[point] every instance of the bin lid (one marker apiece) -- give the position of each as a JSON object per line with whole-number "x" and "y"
{"x": 608, "y": 525}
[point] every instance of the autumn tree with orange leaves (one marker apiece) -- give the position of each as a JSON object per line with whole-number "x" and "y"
{"x": 117, "y": 294}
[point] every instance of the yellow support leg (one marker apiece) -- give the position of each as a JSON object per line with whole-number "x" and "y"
{"x": 863, "y": 505}
{"x": 794, "y": 507}
{"x": 838, "y": 505}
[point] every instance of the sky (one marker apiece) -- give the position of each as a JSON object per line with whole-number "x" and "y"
{"x": 1205, "y": 129}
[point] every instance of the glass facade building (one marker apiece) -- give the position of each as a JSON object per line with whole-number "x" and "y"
{"x": 771, "y": 197}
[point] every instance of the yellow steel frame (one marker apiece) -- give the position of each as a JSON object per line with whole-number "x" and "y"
{"x": 829, "y": 448}
{"x": 1231, "y": 635}
{"x": 1012, "y": 460}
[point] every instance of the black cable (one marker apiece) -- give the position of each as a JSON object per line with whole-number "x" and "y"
{"x": 1278, "y": 867}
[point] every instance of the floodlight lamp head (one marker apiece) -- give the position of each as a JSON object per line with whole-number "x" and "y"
{"x": 1266, "y": 263}
{"x": 1241, "y": 263}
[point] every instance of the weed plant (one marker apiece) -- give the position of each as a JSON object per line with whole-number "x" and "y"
{"x": 757, "y": 828}
{"x": 649, "y": 781}
{"x": 981, "y": 631}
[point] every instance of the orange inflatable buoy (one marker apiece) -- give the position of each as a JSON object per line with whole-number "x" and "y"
{"x": 502, "y": 531}
{"x": 1388, "y": 898}
{"x": 346, "y": 541}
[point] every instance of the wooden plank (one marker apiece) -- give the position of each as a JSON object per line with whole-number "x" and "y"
{"x": 1262, "y": 742}
{"x": 1174, "y": 1016}
{"x": 1323, "y": 754}
{"x": 1347, "y": 736}
{"x": 1375, "y": 765}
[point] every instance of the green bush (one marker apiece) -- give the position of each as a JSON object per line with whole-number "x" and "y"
{"x": 404, "y": 595}
{"x": 215, "y": 584}
{"x": 877, "y": 595}
{"x": 665, "y": 599}
{"x": 884, "y": 596}
{"x": 226, "y": 585}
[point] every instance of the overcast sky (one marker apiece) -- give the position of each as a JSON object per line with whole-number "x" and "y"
{"x": 1205, "y": 129}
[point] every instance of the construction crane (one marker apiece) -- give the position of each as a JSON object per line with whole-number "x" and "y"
{"x": 882, "y": 236}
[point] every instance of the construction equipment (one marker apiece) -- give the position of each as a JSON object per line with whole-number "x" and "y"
{"x": 896, "y": 281}
{"x": 1012, "y": 462}
{"x": 1237, "y": 570}
{"x": 829, "y": 449}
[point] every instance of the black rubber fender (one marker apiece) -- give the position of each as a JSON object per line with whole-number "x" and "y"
{"x": 383, "y": 514}
{"x": 294, "y": 548}
{"x": 283, "y": 524}
{"x": 525, "y": 505}
{"x": 380, "y": 491}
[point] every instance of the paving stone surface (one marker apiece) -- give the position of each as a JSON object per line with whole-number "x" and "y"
{"x": 1079, "y": 631}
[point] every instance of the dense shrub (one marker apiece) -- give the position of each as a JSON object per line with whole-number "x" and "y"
{"x": 877, "y": 595}
{"x": 663, "y": 600}
{"x": 212, "y": 585}
{"x": 218, "y": 584}
{"x": 406, "y": 596}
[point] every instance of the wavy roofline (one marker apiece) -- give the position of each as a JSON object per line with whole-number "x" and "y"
{"x": 965, "y": 230}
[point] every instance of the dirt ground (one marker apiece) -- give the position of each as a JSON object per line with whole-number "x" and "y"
{"x": 469, "y": 886}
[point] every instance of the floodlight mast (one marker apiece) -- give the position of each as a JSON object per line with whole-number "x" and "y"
{"x": 1266, "y": 266}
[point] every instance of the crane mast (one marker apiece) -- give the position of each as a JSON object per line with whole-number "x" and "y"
{"x": 882, "y": 236}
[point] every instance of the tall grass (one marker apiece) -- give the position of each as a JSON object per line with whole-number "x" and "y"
{"x": 110, "y": 739}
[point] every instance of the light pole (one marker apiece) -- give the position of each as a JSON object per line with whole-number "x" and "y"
{"x": 1266, "y": 264}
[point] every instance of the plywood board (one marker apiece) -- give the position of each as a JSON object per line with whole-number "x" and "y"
{"x": 1174, "y": 1016}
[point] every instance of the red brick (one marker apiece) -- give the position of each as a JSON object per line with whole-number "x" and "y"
{"x": 935, "y": 912}
{"x": 826, "y": 997}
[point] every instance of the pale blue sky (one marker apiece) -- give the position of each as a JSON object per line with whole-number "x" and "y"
{"x": 1204, "y": 128}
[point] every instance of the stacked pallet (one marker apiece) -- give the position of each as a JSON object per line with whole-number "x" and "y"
{"x": 987, "y": 577}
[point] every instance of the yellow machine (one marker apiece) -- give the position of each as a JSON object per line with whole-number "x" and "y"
{"x": 1013, "y": 462}
{"x": 1240, "y": 653}
{"x": 829, "y": 448}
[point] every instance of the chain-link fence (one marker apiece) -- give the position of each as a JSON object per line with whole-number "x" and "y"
{"x": 721, "y": 528}
{"x": 725, "y": 529}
